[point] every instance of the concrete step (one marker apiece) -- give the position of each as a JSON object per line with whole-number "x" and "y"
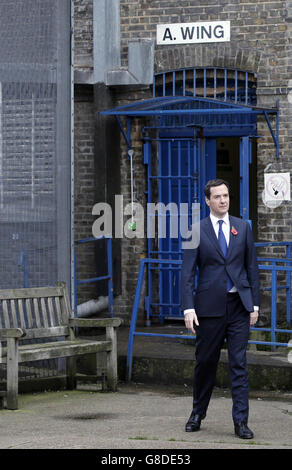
{"x": 167, "y": 361}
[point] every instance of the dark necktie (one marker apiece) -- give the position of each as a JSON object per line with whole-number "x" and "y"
{"x": 223, "y": 246}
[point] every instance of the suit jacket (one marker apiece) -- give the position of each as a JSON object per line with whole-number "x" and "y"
{"x": 240, "y": 263}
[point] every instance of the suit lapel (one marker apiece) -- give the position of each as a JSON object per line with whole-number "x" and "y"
{"x": 231, "y": 236}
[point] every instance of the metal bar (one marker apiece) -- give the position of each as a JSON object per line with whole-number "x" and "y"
{"x": 134, "y": 319}
{"x": 196, "y": 174}
{"x": 244, "y": 177}
{"x": 246, "y": 88}
{"x": 193, "y": 337}
{"x": 277, "y": 260}
{"x": 236, "y": 85}
{"x": 92, "y": 279}
{"x": 225, "y": 84}
{"x": 275, "y": 138}
{"x": 194, "y": 83}
{"x": 164, "y": 100}
{"x": 147, "y": 148}
{"x": 129, "y": 133}
{"x": 274, "y": 304}
{"x": 276, "y": 268}
{"x": 171, "y": 112}
{"x": 188, "y": 181}
{"x": 173, "y": 83}
{"x": 110, "y": 280}
{"x": 215, "y": 83}
{"x": 160, "y": 189}
{"x": 122, "y": 131}
{"x": 277, "y": 330}
{"x": 286, "y": 243}
{"x": 163, "y": 335}
{"x": 169, "y": 273}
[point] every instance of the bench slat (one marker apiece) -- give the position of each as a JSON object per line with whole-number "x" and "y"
{"x": 32, "y": 292}
{"x": 51, "y": 311}
{"x": 51, "y": 332}
{"x": 36, "y": 312}
{"x": 21, "y": 313}
{"x": 36, "y": 352}
{"x": 58, "y": 310}
{"x": 13, "y": 314}
{"x": 44, "y": 312}
{"x": 6, "y": 315}
{"x": 28, "y": 313}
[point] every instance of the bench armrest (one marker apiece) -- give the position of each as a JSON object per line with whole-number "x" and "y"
{"x": 12, "y": 333}
{"x": 95, "y": 322}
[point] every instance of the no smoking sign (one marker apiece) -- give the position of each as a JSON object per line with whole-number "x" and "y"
{"x": 277, "y": 187}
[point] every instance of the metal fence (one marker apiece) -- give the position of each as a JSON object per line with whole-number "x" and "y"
{"x": 35, "y": 147}
{"x": 270, "y": 265}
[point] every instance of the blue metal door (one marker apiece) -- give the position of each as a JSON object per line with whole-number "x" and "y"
{"x": 177, "y": 177}
{"x": 184, "y": 164}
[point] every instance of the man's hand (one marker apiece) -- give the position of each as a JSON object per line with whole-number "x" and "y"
{"x": 253, "y": 317}
{"x": 191, "y": 319}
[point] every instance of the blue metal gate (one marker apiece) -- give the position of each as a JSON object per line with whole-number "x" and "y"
{"x": 173, "y": 180}
{"x": 184, "y": 164}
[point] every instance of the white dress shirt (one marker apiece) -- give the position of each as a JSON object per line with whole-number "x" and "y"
{"x": 226, "y": 231}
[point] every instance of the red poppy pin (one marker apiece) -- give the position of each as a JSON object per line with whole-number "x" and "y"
{"x": 234, "y": 231}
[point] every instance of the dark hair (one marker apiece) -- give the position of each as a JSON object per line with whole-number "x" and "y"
{"x": 213, "y": 183}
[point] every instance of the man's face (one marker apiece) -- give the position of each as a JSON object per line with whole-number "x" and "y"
{"x": 219, "y": 200}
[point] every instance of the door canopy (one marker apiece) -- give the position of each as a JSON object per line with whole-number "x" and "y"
{"x": 208, "y": 116}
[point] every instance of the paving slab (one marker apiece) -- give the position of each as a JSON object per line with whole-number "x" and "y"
{"x": 140, "y": 417}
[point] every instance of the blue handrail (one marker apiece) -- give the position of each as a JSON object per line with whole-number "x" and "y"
{"x": 273, "y": 329}
{"x": 108, "y": 275}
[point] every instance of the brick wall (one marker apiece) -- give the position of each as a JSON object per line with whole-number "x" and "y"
{"x": 83, "y": 34}
{"x": 84, "y": 189}
{"x": 260, "y": 43}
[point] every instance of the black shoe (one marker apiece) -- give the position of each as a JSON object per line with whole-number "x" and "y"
{"x": 194, "y": 422}
{"x": 242, "y": 431}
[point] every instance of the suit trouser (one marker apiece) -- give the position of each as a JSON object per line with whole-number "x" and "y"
{"x": 210, "y": 335}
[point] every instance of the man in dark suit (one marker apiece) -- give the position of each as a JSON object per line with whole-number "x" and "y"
{"x": 225, "y": 304}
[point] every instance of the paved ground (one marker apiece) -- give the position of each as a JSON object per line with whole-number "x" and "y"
{"x": 140, "y": 417}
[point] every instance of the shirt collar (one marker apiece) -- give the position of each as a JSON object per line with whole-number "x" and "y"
{"x": 215, "y": 219}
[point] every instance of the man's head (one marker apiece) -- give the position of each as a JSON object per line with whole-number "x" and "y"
{"x": 217, "y": 197}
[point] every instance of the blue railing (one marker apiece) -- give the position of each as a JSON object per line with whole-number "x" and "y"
{"x": 274, "y": 268}
{"x": 287, "y": 260}
{"x": 108, "y": 276}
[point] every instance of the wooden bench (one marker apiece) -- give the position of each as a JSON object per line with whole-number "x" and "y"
{"x": 44, "y": 313}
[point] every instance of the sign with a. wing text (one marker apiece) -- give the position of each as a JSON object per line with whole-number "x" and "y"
{"x": 191, "y": 33}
